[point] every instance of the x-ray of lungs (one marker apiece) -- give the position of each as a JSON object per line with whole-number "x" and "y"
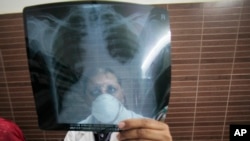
{"x": 94, "y": 64}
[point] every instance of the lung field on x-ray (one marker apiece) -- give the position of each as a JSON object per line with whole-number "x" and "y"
{"x": 80, "y": 28}
{"x": 64, "y": 45}
{"x": 69, "y": 55}
{"x": 85, "y": 26}
{"x": 122, "y": 43}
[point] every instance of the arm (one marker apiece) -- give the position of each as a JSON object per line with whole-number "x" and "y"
{"x": 144, "y": 129}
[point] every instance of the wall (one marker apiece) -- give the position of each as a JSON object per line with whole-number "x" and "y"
{"x": 210, "y": 73}
{"x": 211, "y": 69}
{"x": 15, "y": 6}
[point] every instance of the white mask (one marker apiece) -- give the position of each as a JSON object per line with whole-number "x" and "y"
{"x": 105, "y": 108}
{"x": 108, "y": 109}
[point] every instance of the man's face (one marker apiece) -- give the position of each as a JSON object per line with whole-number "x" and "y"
{"x": 104, "y": 83}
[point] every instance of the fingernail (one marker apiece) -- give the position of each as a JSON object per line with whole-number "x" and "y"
{"x": 121, "y": 125}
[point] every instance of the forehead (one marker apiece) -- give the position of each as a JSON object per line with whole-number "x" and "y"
{"x": 103, "y": 77}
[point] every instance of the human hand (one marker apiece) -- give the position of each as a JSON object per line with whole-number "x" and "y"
{"x": 143, "y": 130}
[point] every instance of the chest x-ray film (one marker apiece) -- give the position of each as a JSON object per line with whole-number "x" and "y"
{"x": 94, "y": 64}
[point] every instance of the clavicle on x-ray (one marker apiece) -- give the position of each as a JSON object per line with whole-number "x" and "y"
{"x": 94, "y": 64}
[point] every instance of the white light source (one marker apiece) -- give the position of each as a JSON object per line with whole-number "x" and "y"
{"x": 154, "y": 52}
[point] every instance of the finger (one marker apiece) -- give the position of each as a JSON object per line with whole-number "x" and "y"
{"x": 143, "y": 134}
{"x": 142, "y": 123}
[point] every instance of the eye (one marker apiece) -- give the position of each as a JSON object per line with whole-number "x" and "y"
{"x": 95, "y": 92}
{"x": 111, "y": 89}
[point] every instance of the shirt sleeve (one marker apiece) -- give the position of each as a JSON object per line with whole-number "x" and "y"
{"x": 9, "y": 131}
{"x": 69, "y": 136}
{"x": 79, "y": 136}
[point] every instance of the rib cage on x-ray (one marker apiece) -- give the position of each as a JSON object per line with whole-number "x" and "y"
{"x": 82, "y": 29}
{"x": 70, "y": 43}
